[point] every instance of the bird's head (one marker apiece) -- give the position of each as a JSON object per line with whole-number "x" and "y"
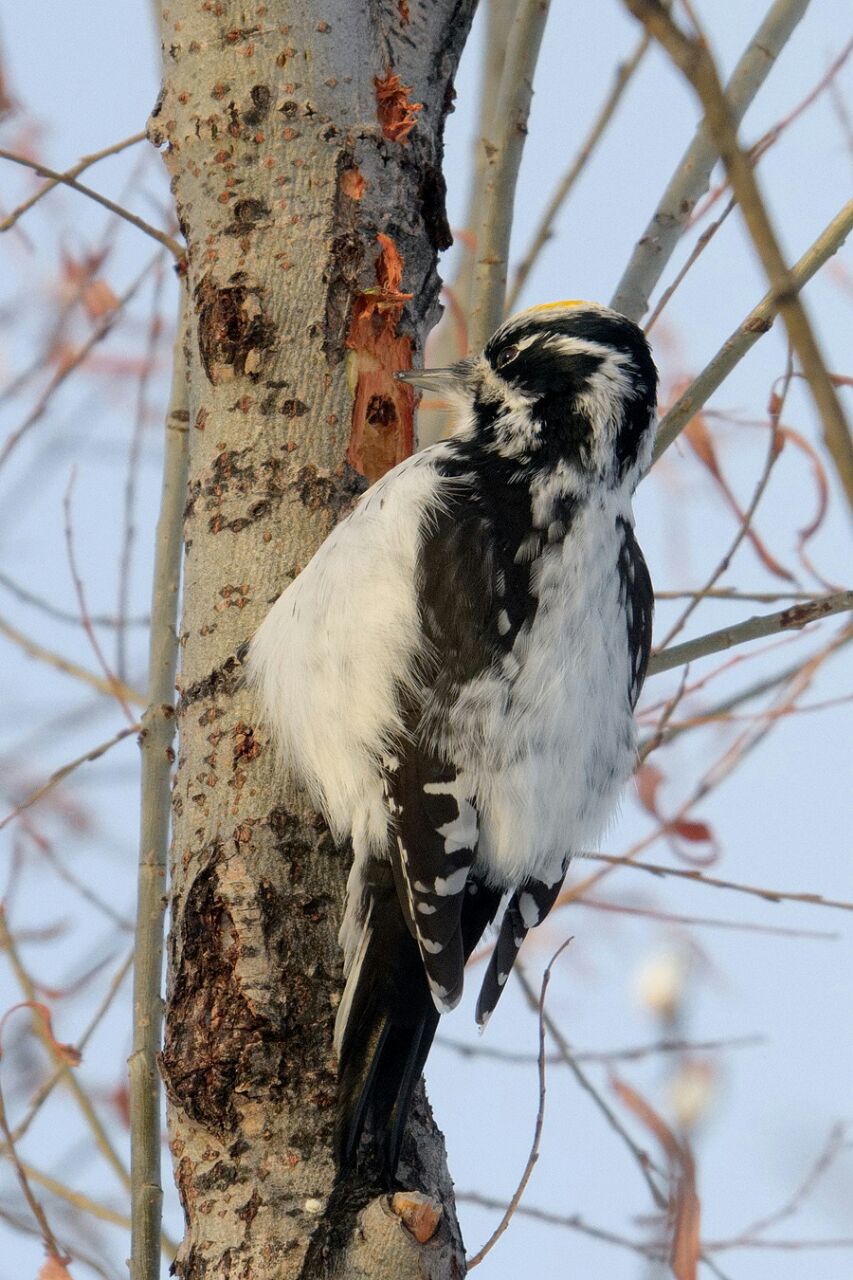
{"x": 569, "y": 383}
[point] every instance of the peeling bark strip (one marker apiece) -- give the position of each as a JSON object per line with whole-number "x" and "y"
{"x": 308, "y": 186}
{"x": 397, "y": 113}
{"x": 383, "y": 431}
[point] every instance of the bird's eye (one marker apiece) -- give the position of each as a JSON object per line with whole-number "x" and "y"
{"x": 505, "y": 356}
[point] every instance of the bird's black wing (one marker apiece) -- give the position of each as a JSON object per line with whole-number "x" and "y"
{"x": 637, "y": 598}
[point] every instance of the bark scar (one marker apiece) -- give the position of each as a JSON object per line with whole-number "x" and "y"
{"x": 383, "y": 409}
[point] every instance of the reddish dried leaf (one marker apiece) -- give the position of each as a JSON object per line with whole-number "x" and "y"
{"x": 647, "y": 1116}
{"x": 68, "y": 1052}
{"x": 695, "y": 832}
{"x": 649, "y": 779}
{"x": 99, "y": 299}
{"x": 820, "y": 478}
{"x": 699, "y": 439}
{"x": 54, "y": 1269}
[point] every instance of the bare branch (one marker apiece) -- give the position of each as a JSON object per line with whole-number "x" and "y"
{"x": 74, "y": 172}
{"x": 693, "y": 174}
{"x": 573, "y": 1221}
{"x": 634, "y": 1053}
{"x": 44, "y": 1090}
{"x": 768, "y": 624}
{"x": 641, "y": 1157}
{"x": 774, "y": 451}
{"x": 158, "y": 729}
{"x": 700, "y": 877}
{"x": 59, "y": 775}
{"x": 691, "y": 55}
{"x": 41, "y": 654}
{"x": 49, "y": 1239}
{"x": 84, "y": 1102}
{"x": 759, "y": 320}
{"x": 68, "y": 366}
{"x": 161, "y": 237}
{"x": 65, "y": 615}
{"x": 540, "y": 1117}
{"x": 503, "y": 157}
{"x": 112, "y": 680}
{"x": 543, "y": 232}
{"x": 706, "y": 922}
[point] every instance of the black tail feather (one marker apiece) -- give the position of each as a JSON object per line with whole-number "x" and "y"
{"x": 390, "y": 1024}
{"x": 391, "y": 1021}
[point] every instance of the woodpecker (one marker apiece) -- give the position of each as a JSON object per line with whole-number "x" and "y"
{"x": 453, "y": 678}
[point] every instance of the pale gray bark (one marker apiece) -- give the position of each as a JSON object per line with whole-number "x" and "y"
{"x": 291, "y": 147}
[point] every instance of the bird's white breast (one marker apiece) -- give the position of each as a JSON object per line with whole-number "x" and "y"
{"x": 548, "y": 761}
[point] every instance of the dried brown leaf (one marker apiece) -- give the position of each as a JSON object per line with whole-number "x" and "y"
{"x": 649, "y": 779}
{"x": 69, "y": 1053}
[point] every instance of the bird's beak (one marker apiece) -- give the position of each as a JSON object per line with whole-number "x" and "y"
{"x": 441, "y": 381}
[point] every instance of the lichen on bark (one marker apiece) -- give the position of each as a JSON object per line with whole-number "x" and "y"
{"x": 293, "y": 181}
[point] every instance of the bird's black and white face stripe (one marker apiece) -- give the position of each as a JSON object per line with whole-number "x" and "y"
{"x": 569, "y": 383}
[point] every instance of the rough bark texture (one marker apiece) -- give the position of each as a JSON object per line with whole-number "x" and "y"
{"x": 308, "y": 184}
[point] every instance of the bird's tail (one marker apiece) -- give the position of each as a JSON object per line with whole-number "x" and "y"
{"x": 385, "y": 1026}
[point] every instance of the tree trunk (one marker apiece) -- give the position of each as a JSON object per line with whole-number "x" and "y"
{"x": 308, "y": 186}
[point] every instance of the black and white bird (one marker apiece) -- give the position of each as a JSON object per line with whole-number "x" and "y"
{"x": 453, "y": 677}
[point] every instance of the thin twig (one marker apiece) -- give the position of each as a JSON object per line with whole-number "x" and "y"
{"x": 59, "y": 775}
{"x": 76, "y": 1198}
{"x": 543, "y": 231}
{"x": 706, "y": 922}
{"x": 91, "y": 678}
{"x": 573, "y": 1221}
{"x": 158, "y": 728}
{"x": 835, "y": 1144}
{"x": 68, "y": 366}
{"x": 46, "y": 1088}
{"x": 759, "y": 148}
{"x": 692, "y": 57}
{"x": 712, "y": 882}
{"x": 78, "y": 884}
{"x": 768, "y": 624}
{"x": 78, "y": 1255}
{"x": 641, "y": 1157}
{"x": 635, "y": 1053}
{"x": 65, "y": 615}
{"x": 734, "y": 594}
{"x": 774, "y": 451}
{"x": 721, "y": 709}
{"x": 758, "y": 322}
{"x": 503, "y": 151}
{"x": 74, "y": 172}
{"x": 84, "y": 1102}
{"x": 540, "y": 1118}
{"x": 693, "y": 174}
{"x": 49, "y": 1239}
{"x": 756, "y": 151}
{"x": 692, "y": 258}
{"x": 112, "y": 680}
{"x": 177, "y": 250}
